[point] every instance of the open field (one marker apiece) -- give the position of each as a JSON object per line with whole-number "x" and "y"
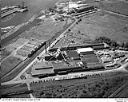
{"x": 4, "y": 53}
{"x": 94, "y": 26}
{"x": 44, "y": 31}
{"x": 8, "y": 89}
{"x": 103, "y": 24}
{"x": 123, "y": 93}
{"x": 95, "y": 86}
{"x": 9, "y": 64}
{"x": 115, "y": 6}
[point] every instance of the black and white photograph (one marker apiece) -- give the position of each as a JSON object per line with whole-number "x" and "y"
{"x": 64, "y": 49}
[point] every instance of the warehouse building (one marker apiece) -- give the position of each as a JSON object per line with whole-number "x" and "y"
{"x": 68, "y": 66}
{"x": 72, "y": 54}
{"x": 67, "y": 60}
{"x": 97, "y": 46}
{"x": 42, "y": 69}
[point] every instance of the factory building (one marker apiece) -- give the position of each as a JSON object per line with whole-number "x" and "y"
{"x": 73, "y": 55}
{"x": 80, "y": 58}
{"x": 68, "y": 66}
{"x": 42, "y": 69}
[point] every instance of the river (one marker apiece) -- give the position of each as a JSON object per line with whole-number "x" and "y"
{"x": 34, "y": 6}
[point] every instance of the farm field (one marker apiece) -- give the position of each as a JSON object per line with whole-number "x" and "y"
{"x": 14, "y": 88}
{"x": 9, "y": 64}
{"x": 91, "y": 86}
{"x": 44, "y": 31}
{"x": 123, "y": 93}
{"x": 94, "y": 26}
{"x": 103, "y": 24}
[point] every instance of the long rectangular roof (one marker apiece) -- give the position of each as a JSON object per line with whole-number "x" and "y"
{"x": 63, "y": 65}
{"x": 42, "y": 68}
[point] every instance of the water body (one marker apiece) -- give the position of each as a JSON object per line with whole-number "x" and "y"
{"x": 34, "y": 6}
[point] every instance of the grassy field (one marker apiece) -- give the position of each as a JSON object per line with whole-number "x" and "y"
{"x": 91, "y": 86}
{"x": 115, "y": 6}
{"x": 103, "y": 24}
{"x": 44, "y": 31}
{"x": 4, "y": 53}
{"x": 94, "y": 26}
{"x": 14, "y": 88}
{"x": 9, "y": 64}
{"x": 123, "y": 93}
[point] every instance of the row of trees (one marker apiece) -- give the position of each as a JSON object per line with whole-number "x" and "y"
{"x": 103, "y": 88}
{"x": 111, "y": 42}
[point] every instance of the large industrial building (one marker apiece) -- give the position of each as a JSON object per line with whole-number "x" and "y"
{"x": 67, "y": 60}
{"x": 42, "y": 69}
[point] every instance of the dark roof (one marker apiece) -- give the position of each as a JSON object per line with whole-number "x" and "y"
{"x": 73, "y": 54}
{"x": 94, "y": 65}
{"x": 42, "y": 68}
{"x": 90, "y": 58}
{"x": 98, "y": 47}
{"x": 65, "y": 65}
{"x": 86, "y": 53}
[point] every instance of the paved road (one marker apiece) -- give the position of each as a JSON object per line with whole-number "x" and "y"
{"x": 69, "y": 76}
{"x": 28, "y": 85}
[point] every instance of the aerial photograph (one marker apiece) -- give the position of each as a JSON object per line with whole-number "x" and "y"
{"x": 64, "y": 49}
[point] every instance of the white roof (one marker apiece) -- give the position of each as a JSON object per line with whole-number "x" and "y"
{"x": 84, "y": 50}
{"x": 73, "y": 5}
